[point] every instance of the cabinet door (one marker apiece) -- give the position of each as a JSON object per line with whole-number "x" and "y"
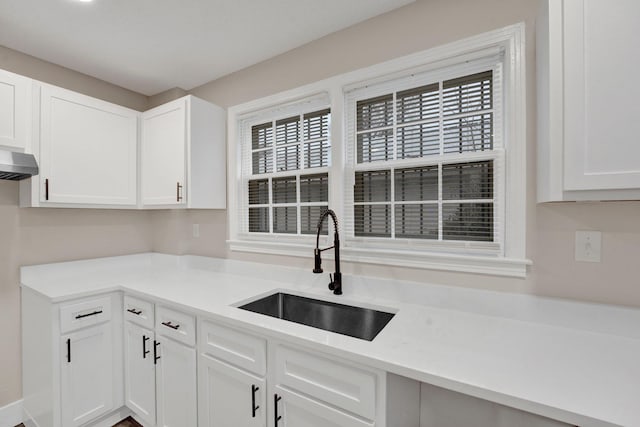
{"x": 298, "y": 411}
{"x": 229, "y": 396}
{"x": 88, "y": 150}
{"x": 87, "y": 374}
{"x": 140, "y": 372}
{"x": 176, "y": 384}
{"x": 601, "y": 106}
{"x": 15, "y": 111}
{"x": 164, "y": 137}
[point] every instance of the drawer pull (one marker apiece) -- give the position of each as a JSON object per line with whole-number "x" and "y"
{"x": 134, "y": 311}
{"x": 82, "y": 316}
{"x": 169, "y": 325}
{"x": 68, "y": 350}
{"x": 276, "y": 417}
{"x": 156, "y": 344}
{"x": 144, "y": 346}
{"x": 254, "y": 408}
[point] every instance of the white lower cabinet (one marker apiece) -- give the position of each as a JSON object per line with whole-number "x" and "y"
{"x": 230, "y": 396}
{"x": 160, "y": 365}
{"x": 338, "y": 383}
{"x": 176, "y": 384}
{"x": 72, "y": 367}
{"x": 227, "y": 377}
{"x": 140, "y": 372}
{"x": 86, "y": 375}
{"x": 294, "y": 410}
{"x": 311, "y": 389}
{"x": 232, "y": 385}
{"x": 245, "y": 380}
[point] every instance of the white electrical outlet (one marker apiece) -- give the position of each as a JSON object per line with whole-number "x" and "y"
{"x": 588, "y": 246}
{"x": 196, "y": 230}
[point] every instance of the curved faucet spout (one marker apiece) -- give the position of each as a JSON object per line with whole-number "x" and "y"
{"x": 336, "y": 280}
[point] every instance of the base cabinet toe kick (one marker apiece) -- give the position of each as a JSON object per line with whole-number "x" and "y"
{"x": 114, "y": 355}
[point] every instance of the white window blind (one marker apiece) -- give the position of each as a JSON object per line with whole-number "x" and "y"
{"x": 425, "y": 160}
{"x": 285, "y": 177}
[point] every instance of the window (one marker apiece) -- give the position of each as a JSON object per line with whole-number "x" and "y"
{"x": 287, "y": 188}
{"x": 424, "y": 158}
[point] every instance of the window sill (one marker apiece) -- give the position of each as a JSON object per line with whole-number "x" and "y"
{"x": 489, "y": 265}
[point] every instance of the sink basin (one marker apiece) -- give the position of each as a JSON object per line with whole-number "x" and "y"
{"x": 358, "y": 322}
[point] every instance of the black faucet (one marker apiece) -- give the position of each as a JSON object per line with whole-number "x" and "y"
{"x": 336, "y": 281}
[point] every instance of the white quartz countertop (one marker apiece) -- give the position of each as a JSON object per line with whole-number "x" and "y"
{"x": 574, "y": 362}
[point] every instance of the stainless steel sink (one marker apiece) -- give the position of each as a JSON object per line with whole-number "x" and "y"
{"x": 358, "y": 322}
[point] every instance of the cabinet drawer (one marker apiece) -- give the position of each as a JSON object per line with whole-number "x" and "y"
{"x": 138, "y": 311}
{"x": 176, "y": 325}
{"x": 298, "y": 410}
{"x": 237, "y": 348}
{"x": 76, "y": 315}
{"x": 332, "y": 381}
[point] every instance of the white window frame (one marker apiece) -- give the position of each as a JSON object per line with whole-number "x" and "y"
{"x": 509, "y": 261}
{"x": 497, "y": 154}
{"x": 300, "y": 107}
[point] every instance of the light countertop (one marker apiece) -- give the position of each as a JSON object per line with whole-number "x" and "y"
{"x": 574, "y": 362}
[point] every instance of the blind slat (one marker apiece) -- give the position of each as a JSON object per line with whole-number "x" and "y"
{"x": 375, "y": 112}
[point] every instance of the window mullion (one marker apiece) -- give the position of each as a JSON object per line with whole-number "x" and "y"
{"x": 300, "y": 171}
{"x": 298, "y": 207}
{"x": 274, "y": 168}
{"x": 460, "y": 131}
{"x": 392, "y": 206}
{"x": 369, "y": 203}
{"x": 463, "y": 201}
{"x": 301, "y": 143}
{"x": 271, "y": 210}
{"x": 441, "y": 116}
{"x": 274, "y": 151}
{"x": 440, "y": 211}
{"x": 441, "y": 131}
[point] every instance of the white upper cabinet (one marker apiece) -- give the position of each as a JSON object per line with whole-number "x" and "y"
{"x": 15, "y": 111}
{"x": 87, "y": 153}
{"x": 88, "y": 149}
{"x": 183, "y": 155}
{"x": 164, "y": 147}
{"x": 588, "y": 111}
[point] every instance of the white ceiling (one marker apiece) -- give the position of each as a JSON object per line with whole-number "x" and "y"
{"x": 150, "y": 46}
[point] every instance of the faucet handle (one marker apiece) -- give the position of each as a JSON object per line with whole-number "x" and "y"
{"x": 332, "y": 284}
{"x": 318, "y": 261}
